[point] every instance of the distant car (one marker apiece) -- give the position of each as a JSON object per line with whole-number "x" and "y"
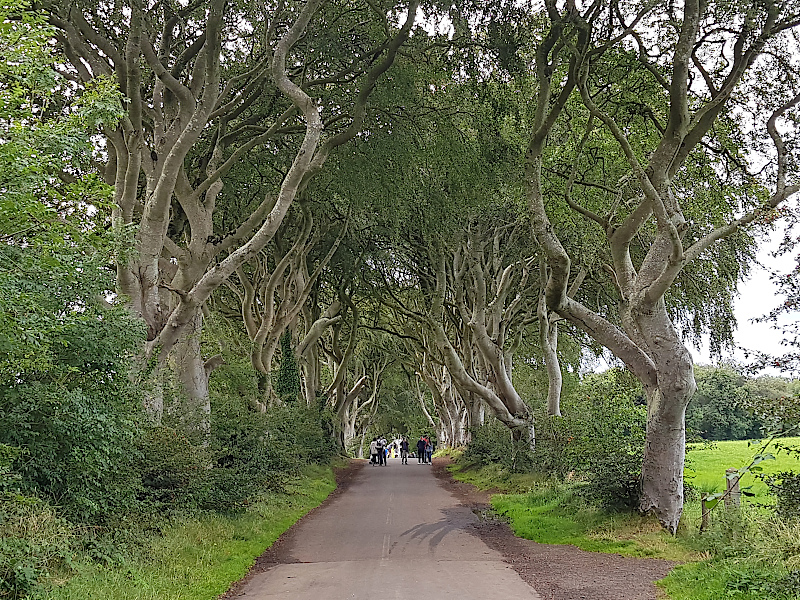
{"x": 412, "y": 455}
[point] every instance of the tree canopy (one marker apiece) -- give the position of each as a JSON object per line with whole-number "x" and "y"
{"x": 356, "y": 208}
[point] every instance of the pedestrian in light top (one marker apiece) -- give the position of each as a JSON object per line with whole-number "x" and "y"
{"x": 373, "y": 451}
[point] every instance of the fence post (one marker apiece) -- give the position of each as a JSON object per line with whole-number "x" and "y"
{"x": 705, "y": 518}
{"x": 733, "y": 497}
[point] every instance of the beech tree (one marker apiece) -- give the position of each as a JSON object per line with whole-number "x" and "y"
{"x": 275, "y": 286}
{"x": 455, "y": 414}
{"x": 376, "y": 352}
{"x": 490, "y": 297}
{"x": 655, "y": 217}
{"x": 207, "y": 82}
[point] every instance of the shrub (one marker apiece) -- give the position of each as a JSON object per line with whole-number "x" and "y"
{"x": 785, "y": 486}
{"x": 78, "y": 447}
{"x": 247, "y": 458}
{"x": 493, "y": 443}
{"x": 169, "y": 466}
{"x": 33, "y": 539}
{"x": 489, "y": 444}
{"x": 614, "y": 480}
{"x": 763, "y": 584}
{"x": 300, "y": 435}
{"x": 600, "y": 438}
{"x": 76, "y": 410}
{"x": 761, "y": 555}
{"x": 247, "y": 454}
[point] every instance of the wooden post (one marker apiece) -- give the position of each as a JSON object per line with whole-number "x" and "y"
{"x": 705, "y": 518}
{"x": 733, "y": 497}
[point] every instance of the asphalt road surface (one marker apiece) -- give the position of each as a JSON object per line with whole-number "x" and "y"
{"x": 393, "y": 534}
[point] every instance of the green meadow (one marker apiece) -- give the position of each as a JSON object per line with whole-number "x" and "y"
{"x": 706, "y": 464}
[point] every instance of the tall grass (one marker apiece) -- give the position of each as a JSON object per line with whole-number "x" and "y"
{"x": 752, "y": 556}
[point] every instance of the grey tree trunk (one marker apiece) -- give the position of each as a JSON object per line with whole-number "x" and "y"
{"x": 548, "y": 341}
{"x": 665, "y": 441}
{"x": 190, "y": 369}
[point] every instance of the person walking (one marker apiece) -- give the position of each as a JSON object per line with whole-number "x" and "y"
{"x": 421, "y": 450}
{"x": 382, "y": 451}
{"x": 373, "y": 451}
{"x": 404, "y": 451}
{"x": 429, "y": 450}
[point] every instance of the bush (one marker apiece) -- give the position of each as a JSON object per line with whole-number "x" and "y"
{"x": 763, "y": 584}
{"x": 493, "y": 443}
{"x": 76, "y": 411}
{"x": 301, "y": 435}
{"x": 247, "y": 454}
{"x": 785, "y": 486}
{"x": 600, "y": 438}
{"x": 169, "y": 466}
{"x": 615, "y": 481}
{"x": 489, "y": 444}
{"x": 78, "y": 448}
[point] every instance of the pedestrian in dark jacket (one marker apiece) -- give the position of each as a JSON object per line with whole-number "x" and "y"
{"x": 404, "y": 451}
{"x": 421, "y": 450}
{"x": 382, "y": 451}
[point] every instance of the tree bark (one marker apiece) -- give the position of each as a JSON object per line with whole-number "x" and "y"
{"x": 195, "y": 405}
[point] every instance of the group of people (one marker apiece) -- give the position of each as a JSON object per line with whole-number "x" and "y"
{"x": 380, "y": 449}
{"x": 425, "y": 447}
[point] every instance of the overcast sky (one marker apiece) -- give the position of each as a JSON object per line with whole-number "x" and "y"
{"x": 758, "y": 297}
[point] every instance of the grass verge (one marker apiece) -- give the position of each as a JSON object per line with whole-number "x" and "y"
{"x": 552, "y": 512}
{"x": 200, "y": 558}
{"x": 747, "y": 555}
{"x": 731, "y": 579}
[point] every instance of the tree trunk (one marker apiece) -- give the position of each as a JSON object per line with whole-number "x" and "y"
{"x": 361, "y": 444}
{"x": 477, "y": 414}
{"x": 662, "y": 467}
{"x": 349, "y": 425}
{"x": 548, "y": 340}
{"x": 154, "y": 397}
{"x": 665, "y": 441}
{"x": 309, "y": 369}
{"x": 190, "y": 369}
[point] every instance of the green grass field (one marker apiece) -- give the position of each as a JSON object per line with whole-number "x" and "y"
{"x": 706, "y": 465}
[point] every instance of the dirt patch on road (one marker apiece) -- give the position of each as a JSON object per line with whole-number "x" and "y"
{"x": 280, "y": 551}
{"x": 559, "y": 572}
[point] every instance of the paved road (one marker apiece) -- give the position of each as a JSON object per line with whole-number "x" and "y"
{"x": 393, "y": 534}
